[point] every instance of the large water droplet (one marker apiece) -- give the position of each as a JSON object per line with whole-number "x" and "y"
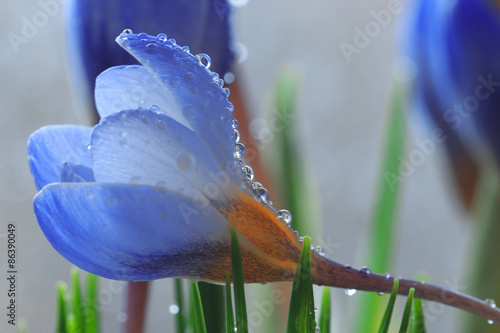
{"x": 151, "y": 48}
{"x": 127, "y": 31}
{"x": 239, "y": 150}
{"x": 350, "y": 292}
{"x": 262, "y": 194}
{"x": 154, "y": 108}
{"x": 162, "y": 38}
{"x": 204, "y": 59}
{"x": 185, "y": 162}
{"x": 285, "y": 216}
{"x": 256, "y": 185}
{"x": 248, "y": 172}
{"x": 365, "y": 272}
{"x": 142, "y": 35}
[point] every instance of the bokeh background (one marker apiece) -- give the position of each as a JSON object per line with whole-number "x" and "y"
{"x": 341, "y": 113}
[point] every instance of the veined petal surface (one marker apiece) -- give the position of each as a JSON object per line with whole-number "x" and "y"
{"x": 49, "y": 146}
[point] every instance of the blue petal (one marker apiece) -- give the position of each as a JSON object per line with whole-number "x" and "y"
{"x": 199, "y": 96}
{"x": 125, "y": 233}
{"x": 94, "y": 24}
{"x": 132, "y": 87}
{"x": 143, "y": 147}
{"x": 75, "y": 173}
{"x": 51, "y": 145}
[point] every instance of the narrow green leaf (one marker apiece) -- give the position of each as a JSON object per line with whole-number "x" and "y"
{"x": 301, "y": 313}
{"x": 386, "y": 319}
{"x": 179, "y": 318}
{"x": 214, "y": 314}
{"x": 71, "y": 324}
{"x": 407, "y": 312}
{"x": 62, "y": 289}
{"x": 78, "y": 308}
{"x": 229, "y": 305}
{"x": 92, "y": 313}
{"x": 383, "y": 220}
{"x": 291, "y": 177}
{"x": 324, "y": 315}
{"x": 199, "y": 320}
{"x": 238, "y": 285}
{"x": 417, "y": 324}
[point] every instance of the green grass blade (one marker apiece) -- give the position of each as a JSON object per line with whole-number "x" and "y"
{"x": 417, "y": 324}
{"x": 199, "y": 320}
{"x": 407, "y": 312}
{"x": 301, "y": 314}
{"x": 229, "y": 305}
{"x": 62, "y": 289}
{"x": 383, "y": 220}
{"x": 214, "y": 314}
{"x": 78, "y": 307}
{"x": 324, "y": 315}
{"x": 291, "y": 178}
{"x": 485, "y": 264}
{"x": 180, "y": 324}
{"x": 386, "y": 319}
{"x": 92, "y": 313}
{"x": 238, "y": 285}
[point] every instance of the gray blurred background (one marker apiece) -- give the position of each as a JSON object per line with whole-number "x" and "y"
{"x": 341, "y": 107}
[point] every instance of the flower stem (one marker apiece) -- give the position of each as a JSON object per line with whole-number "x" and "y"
{"x": 330, "y": 273}
{"x": 137, "y": 297}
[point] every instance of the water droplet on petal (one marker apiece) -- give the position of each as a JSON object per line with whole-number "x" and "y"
{"x": 127, "y": 31}
{"x": 262, "y": 194}
{"x": 235, "y": 123}
{"x": 142, "y": 35}
{"x": 285, "y": 216}
{"x": 151, "y": 48}
{"x": 185, "y": 162}
{"x": 162, "y": 38}
{"x": 236, "y": 135}
{"x": 154, "y": 108}
{"x": 226, "y": 91}
{"x": 256, "y": 185}
{"x": 161, "y": 186}
{"x": 239, "y": 150}
{"x": 186, "y": 48}
{"x": 365, "y": 272}
{"x": 350, "y": 292}
{"x": 204, "y": 59}
{"x": 248, "y": 171}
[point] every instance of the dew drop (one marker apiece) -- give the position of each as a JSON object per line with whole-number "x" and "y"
{"x": 387, "y": 276}
{"x": 365, "y": 272}
{"x": 189, "y": 77}
{"x": 185, "y": 162}
{"x": 135, "y": 182}
{"x": 320, "y": 251}
{"x": 239, "y": 150}
{"x": 142, "y": 35}
{"x": 186, "y": 48}
{"x": 174, "y": 81}
{"x": 226, "y": 91}
{"x": 173, "y": 41}
{"x": 491, "y": 302}
{"x": 256, "y": 185}
{"x": 154, "y": 108}
{"x": 162, "y": 38}
{"x": 235, "y": 123}
{"x": 285, "y": 216}
{"x": 350, "y": 292}
{"x": 151, "y": 48}
{"x": 230, "y": 106}
{"x": 236, "y": 135}
{"x": 161, "y": 186}
{"x": 127, "y": 31}
{"x": 204, "y": 59}
{"x": 161, "y": 124}
{"x": 173, "y": 309}
{"x": 248, "y": 171}
{"x": 262, "y": 194}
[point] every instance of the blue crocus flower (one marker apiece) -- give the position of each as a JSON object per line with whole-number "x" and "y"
{"x": 151, "y": 192}
{"x": 454, "y": 45}
{"x": 93, "y": 25}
